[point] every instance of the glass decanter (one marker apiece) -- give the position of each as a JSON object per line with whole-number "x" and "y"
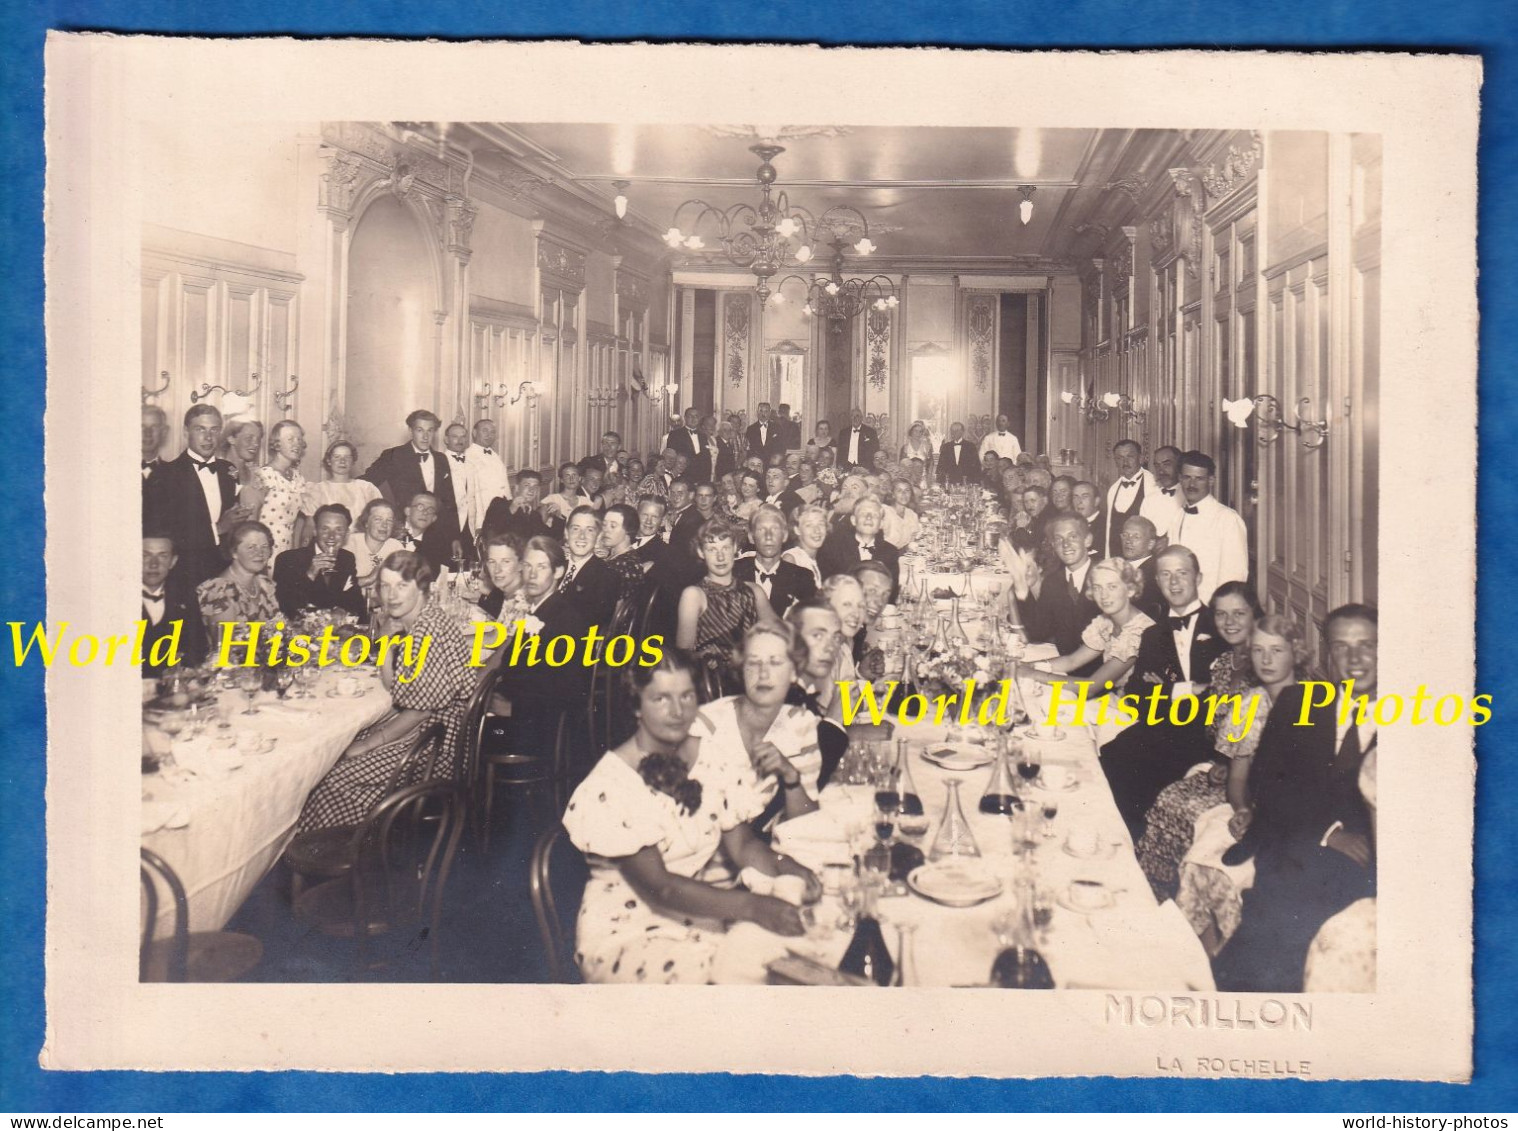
{"x": 954, "y": 838}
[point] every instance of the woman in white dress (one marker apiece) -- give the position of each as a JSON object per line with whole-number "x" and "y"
{"x": 1112, "y": 638}
{"x": 810, "y": 526}
{"x": 278, "y": 487}
{"x": 339, "y": 486}
{"x": 900, "y": 524}
{"x": 371, "y": 543}
{"x": 650, "y": 816}
{"x": 919, "y": 445}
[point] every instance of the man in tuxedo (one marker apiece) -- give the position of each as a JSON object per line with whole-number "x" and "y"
{"x": 422, "y": 532}
{"x": 1310, "y": 833}
{"x": 1176, "y": 655}
{"x": 192, "y": 500}
{"x": 166, "y": 601}
{"x": 1167, "y": 473}
{"x": 607, "y": 459}
{"x": 790, "y": 430}
{"x": 650, "y": 544}
{"x": 682, "y": 521}
{"x": 588, "y": 580}
{"x": 1001, "y": 441}
{"x": 488, "y": 480}
{"x": 155, "y": 426}
{"x": 322, "y": 574}
{"x": 990, "y": 472}
{"x": 694, "y": 445}
{"x": 819, "y": 629}
{"x": 858, "y": 443}
{"x": 956, "y": 458}
{"x": 1029, "y": 536}
{"x": 521, "y": 513}
{"x": 1138, "y": 542}
{"x": 1135, "y": 492}
{"x": 783, "y": 582}
{"x": 1053, "y": 604}
{"x": 1086, "y": 502}
{"x": 763, "y": 435}
{"x": 403, "y": 472}
{"x": 725, "y": 445}
{"x": 859, "y": 540}
{"x": 1214, "y": 533}
{"x": 778, "y": 492}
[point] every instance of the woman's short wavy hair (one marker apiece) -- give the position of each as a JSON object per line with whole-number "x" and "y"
{"x": 1287, "y": 629}
{"x": 795, "y": 647}
{"x": 411, "y": 566}
{"x": 1124, "y": 570}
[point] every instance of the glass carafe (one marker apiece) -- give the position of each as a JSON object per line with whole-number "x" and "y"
{"x": 1020, "y": 966}
{"x": 911, "y": 819}
{"x": 954, "y": 838}
{"x": 1000, "y": 798}
{"x": 867, "y": 954}
{"x": 957, "y": 637}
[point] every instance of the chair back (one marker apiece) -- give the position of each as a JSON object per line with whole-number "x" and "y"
{"x": 646, "y": 608}
{"x": 468, "y": 754}
{"x": 420, "y": 761}
{"x": 406, "y": 848}
{"x": 155, "y": 871}
{"x": 545, "y": 904}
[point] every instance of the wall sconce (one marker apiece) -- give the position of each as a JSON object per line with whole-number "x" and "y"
{"x": 149, "y": 394}
{"x": 620, "y": 202}
{"x": 283, "y": 399}
{"x": 526, "y": 389}
{"x": 487, "y": 390}
{"x": 206, "y": 390}
{"x": 1266, "y": 410}
{"x": 1124, "y": 403}
{"x": 1094, "y": 408}
{"x": 603, "y": 398}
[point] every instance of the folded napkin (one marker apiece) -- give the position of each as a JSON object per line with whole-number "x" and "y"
{"x": 820, "y": 827}
{"x": 1211, "y": 839}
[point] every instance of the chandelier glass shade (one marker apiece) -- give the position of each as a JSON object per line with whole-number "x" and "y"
{"x": 774, "y": 235}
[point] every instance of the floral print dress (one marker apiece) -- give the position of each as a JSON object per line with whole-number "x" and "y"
{"x": 283, "y": 500}
{"x": 614, "y": 814}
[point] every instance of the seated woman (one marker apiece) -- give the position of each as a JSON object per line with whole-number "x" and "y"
{"x": 1205, "y": 890}
{"x": 618, "y": 529}
{"x": 900, "y": 523}
{"x": 649, "y": 822}
{"x": 919, "y": 446}
{"x": 340, "y": 487}
{"x": 845, "y": 596}
{"x": 437, "y": 689}
{"x": 243, "y": 593}
{"x": 501, "y": 557}
{"x": 1112, "y": 638}
{"x": 750, "y": 494}
{"x": 371, "y": 543}
{"x": 809, "y": 530}
{"x": 714, "y": 614}
{"x": 773, "y": 746}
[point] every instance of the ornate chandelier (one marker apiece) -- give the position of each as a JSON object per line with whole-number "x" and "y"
{"x": 775, "y": 235}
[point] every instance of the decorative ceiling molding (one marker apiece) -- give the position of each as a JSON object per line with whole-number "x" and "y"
{"x": 1133, "y": 186}
{"x": 769, "y": 132}
{"x": 1222, "y": 178}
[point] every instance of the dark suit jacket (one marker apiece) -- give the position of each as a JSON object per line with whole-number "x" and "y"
{"x": 398, "y": 474}
{"x": 1058, "y": 618}
{"x": 792, "y": 583}
{"x": 525, "y": 524}
{"x": 965, "y": 469}
{"x": 1098, "y": 524}
{"x": 1151, "y": 600}
{"x": 436, "y": 544}
{"x": 869, "y": 444}
{"x": 336, "y": 589}
{"x": 774, "y": 445}
{"x": 594, "y": 589}
{"x": 1158, "y": 661}
{"x": 699, "y": 469}
{"x": 790, "y": 435}
{"x": 536, "y": 686}
{"x": 839, "y": 553}
{"x": 683, "y": 534}
{"x": 727, "y": 458}
{"x": 179, "y": 604}
{"x": 174, "y": 505}
{"x": 788, "y": 502}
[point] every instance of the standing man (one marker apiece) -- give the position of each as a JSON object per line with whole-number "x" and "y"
{"x": 1167, "y": 473}
{"x": 488, "y": 480}
{"x": 155, "y": 425}
{"x": 695, "y": 446}
{"x": 726, "y": 447}
{"x": 1214, "y": 533}
{"x": 858, "y": 443}
{"x": 456, "y": 441}
{"x": 1001, "y": 441}
{"x": 956, "y": 458}
{"x": 1135, "y": 492}
{"x": 404, "y": 472}
{"x": 192, "y": 500}
{"x": 764, "y": 435}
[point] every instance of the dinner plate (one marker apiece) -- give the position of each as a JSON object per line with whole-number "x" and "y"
{"x": 1096, "y": 896}
{"x": 954, "y": 884}
{"x": 959, "y": 756}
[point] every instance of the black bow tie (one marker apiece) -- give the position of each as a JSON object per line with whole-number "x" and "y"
{"x": 147, "y": 463}
{"x": 421, "y": 457}
{"x": 1001, "y": 433}
{"x": 1192, "y": 510}
{"x": 458, "y": 459}
{"x": 798, "y": 696}
{"x": 763, "y": 578}
{"x": 207, "y": 465}
{"x": 1127, "y": 482}
{"x": 1180, "y": 623}
{"x": 488, "y": 452}
{"x": 1167, "y": 490}
{"x": 146, "y": 596}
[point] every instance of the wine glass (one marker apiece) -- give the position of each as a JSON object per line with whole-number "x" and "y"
{"x": 1029, "y": 762}
{"x": 250, "y": 683}
{"x": 284, "y": 679}
{"x": 1050, "y": 810}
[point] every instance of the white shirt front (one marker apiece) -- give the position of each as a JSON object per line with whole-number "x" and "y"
{"x": 1158, "y": 507}
{"x": 1004, "y": 444}
{"x": 154, "y": 606}
{"x": 1184, "y": 636}
{"x": 463, "y": 481}
{"x": 210, "y": 487}
{"x": 429, "y": 468}
{"x": 488, "y": 481}
{"x": 853, "y": 448}
{"x": 1076, "y": 575}
{"x": 1218, "y": 537}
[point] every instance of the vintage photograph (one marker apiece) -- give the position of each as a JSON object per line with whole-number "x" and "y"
{"x": 944, "y": 556}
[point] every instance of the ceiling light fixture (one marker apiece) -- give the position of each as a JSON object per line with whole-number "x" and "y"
{"x": 1025, "y": 206}
{"x": 620, "y": 203}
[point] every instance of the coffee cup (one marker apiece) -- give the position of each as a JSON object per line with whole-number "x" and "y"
{"x": 1083, "y": 842}
{"x": 1087, "y": 895}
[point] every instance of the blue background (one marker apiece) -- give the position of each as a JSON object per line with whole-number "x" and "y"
{"x": 1450, "y": 25}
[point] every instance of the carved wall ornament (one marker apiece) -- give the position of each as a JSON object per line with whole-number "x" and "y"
{"x": 1101, "y": 231}
{"x": 777, "y": 133}
{"x": 1189, "y": 186}
{"x": 735, "y": 322}
{"x": 519, "y": 184}
{"x": 561, "y": 265}
{"x": 982, "y": 326}
{"x": 878, "y": 344}
{"x": 1237, "y": 165}
{"x": 340, "y": 182}
{"x": 461, "y": 216}
{"x": 632, "y": 290}
{"x": 1162, "y": 232}
{"x": 1133, "y": 186}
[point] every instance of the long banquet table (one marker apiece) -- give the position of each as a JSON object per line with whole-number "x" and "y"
{"x": 1135, "y": 944}
{"x": 223, "y": 816}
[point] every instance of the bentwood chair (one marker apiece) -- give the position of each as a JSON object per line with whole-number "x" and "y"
{"x": 204, "y": 956}
{"x": 522, "y": 752}
{"x": 402, "y": 856}
{"x": 572, "y": 873}
{"x": 326, "y": 854}
{"x": 605, "y": 681}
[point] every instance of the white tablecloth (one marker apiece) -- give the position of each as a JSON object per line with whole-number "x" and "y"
{"x": 1136, "y": 944}
{"x": 222, "y": 829}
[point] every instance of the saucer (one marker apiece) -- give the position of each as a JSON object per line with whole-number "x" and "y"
{"x": 1097, "y": 897}
{"x": 1105, "y": 850}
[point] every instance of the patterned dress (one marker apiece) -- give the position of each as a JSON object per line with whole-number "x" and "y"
{"x": 282, "y": 503}
{"x": 615, "y": 814}
{"x": 730, "y": 611}
{"x": 1114, "y": 643}
{"x": 223, "y": 601}
{"x": 628, "y": 571}
{"x": 1172, "y": 819}
{"x": 442, "y": 686}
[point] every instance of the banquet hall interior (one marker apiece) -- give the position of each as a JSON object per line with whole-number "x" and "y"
{"x": 1106, "y": 312}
